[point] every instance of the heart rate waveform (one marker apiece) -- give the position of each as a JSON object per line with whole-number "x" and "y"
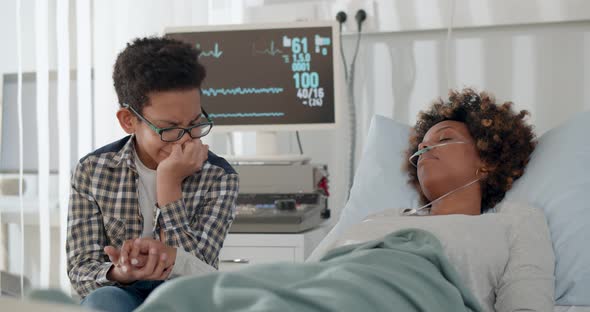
{"x": 240, "y": 91}
{"x": 216, "y": 52}
{"x": 270, "y": 51}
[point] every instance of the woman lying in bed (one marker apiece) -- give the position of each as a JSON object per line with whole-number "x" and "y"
{"x": 466, "y": 154}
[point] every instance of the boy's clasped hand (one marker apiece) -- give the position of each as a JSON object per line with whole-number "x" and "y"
{"x": 140, "y": 259}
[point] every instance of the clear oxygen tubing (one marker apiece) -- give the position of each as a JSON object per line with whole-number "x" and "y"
{"x": 427, "y": 149}
{"x": 418, "y": 211}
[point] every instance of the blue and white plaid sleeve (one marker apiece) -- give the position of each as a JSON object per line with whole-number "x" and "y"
{"x": 202, "y": 235}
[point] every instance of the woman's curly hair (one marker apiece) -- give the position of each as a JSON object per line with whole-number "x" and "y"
{"x": 503, "y": 139}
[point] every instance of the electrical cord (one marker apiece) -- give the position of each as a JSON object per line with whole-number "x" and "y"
{"x": 341, "y": 18}
{"x": 299, "y": 142}
{"x": 360, "y": 17}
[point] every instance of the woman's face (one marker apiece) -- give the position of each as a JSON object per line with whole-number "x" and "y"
{"x": 447, "y": 167}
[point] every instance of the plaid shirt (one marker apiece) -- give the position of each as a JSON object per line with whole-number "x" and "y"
{"x": 104, "y": 210}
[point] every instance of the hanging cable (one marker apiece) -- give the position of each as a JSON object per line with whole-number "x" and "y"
{"x": 352, "y": 122}
{"x": 341, "y": 18}
{"x": 299, "y": 142}
{"x": 360, "y": 17}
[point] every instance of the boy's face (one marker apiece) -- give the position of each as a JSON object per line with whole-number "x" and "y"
{"x": 165, "y": 109}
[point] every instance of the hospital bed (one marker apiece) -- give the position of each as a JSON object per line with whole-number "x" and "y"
{"x": 554, "y": 181}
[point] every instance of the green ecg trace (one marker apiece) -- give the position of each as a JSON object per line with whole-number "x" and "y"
{"x": 270, "y": 51}
{"x": 216, "y": 53}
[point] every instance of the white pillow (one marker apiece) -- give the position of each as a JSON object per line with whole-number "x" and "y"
{"x": 557, "y": 180}
{"x": 505, "y": 258}
{"x": 379, "y": 182}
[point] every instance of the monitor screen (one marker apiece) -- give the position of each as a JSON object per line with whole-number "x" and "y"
{"x": 259, "y": 75}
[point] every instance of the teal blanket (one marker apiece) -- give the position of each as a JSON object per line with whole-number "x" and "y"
{"x": 405, "y": 271}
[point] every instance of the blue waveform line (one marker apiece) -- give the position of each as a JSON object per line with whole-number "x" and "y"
{"x": 240, "y": 91}
{"x": 216, "y": 53}
{"x": 270, "y": 51}
{"x": 246, "y": 115}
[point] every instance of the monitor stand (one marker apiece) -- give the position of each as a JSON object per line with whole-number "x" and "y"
{"x": 267, "y": 153}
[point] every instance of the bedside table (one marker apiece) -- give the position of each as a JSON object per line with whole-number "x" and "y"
{"x": 240, "y": 250}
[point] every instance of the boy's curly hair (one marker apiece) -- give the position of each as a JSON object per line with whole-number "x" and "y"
{"x": 155, "y": 64}
{"x": 502, "y": 138}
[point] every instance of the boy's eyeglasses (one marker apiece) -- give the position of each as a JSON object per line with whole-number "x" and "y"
{"x": 173, "y": 134}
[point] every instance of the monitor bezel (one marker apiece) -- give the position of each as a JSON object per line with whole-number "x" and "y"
{"x": 337, "y": 73}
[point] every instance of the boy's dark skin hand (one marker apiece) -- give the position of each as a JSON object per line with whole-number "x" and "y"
{"x": 155, "y": 263}
{"x": 141, "y": 259}
{"x": 184, "y": 160}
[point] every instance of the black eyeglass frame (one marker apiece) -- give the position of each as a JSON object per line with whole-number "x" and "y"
{"x": 188, "y": 130}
